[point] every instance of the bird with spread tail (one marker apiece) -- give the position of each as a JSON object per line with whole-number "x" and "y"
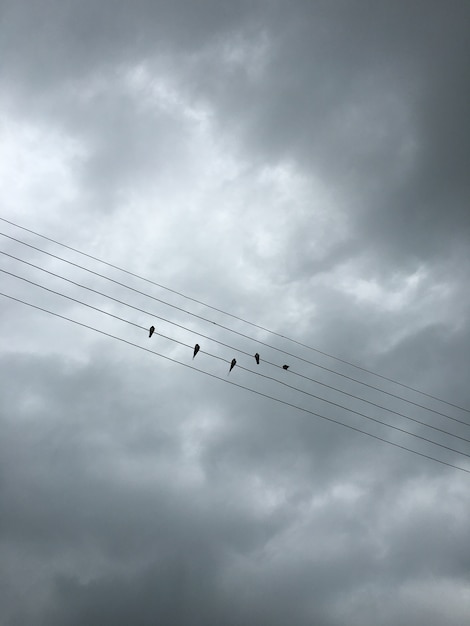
{"x": 232, "y": 365}
{"x": 285, "y": 367}
{"x": 151, "y": 331}
{"x": 197, "y": 347}
{"x": 257, "y": 358}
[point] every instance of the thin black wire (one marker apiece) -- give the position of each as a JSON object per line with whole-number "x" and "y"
{"x": 236, "y": 349}
{"x": 388, "y": 393}
{"x": 241, "y": 319}
{"x": 254, "y": 391}
{"x": 372, "y": 419}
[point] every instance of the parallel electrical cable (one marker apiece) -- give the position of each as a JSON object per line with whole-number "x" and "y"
{"x": 235, "y": 316}
{"x": 349, "y": 410}
{"x": 254, "y": 391}
{"x": 112, "y": 280}
{"x": 232, "y": 347}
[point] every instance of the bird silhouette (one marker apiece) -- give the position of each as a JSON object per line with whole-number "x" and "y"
{"x": 257, "y": 358}
{"x": 197, "y": 347}
{"x": 151, "y": 331}
{"x": 232, "y": 365}
{"x": 285, "y": 367}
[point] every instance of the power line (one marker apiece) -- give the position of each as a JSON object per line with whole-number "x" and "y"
{"x": 402, "y": 430}
{"x": 254, "y": 391}
{"x": 234, "y": 348}
{"x": 272, "y": 332}
{"x": 112, "y": 280}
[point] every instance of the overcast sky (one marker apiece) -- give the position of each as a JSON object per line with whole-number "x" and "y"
{"x": 303, "y": 166}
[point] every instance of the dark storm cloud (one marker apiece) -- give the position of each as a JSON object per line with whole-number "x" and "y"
{"x": 72, "y": 59}
{"x": 372, "y": 98}
{"x": 369, "y": 96}
{"x": 224, "y": 549}
{"x": 49, "y": 42}
{"x": 133, "y": 491}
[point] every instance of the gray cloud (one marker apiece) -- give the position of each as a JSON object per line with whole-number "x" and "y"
{"x": 303, "y": 167}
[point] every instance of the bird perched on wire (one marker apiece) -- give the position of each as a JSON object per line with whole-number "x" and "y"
{"x": 285, "y": 367}
{"x": 257, "y": 358}
{"x": 197, "y": 347}
{"x": 232, "y": 365}
{"x": 151, "y": 331}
